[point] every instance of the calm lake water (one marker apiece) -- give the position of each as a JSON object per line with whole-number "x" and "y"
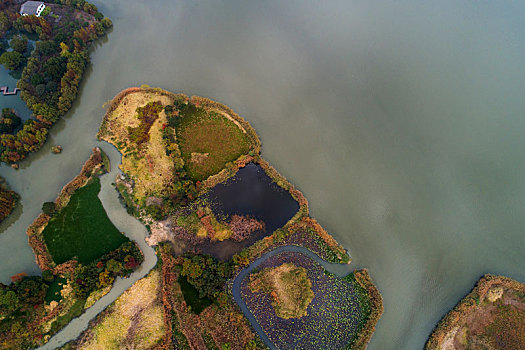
{"x": 402, "y": 122}
{"x": 253, "y": 193}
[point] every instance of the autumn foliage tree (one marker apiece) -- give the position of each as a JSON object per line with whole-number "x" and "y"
{"x": 51, "y": 76}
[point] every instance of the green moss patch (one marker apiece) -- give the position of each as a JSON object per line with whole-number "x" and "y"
{"x": 53, "y": 292}
{"x": 208, "y": 140}
{"x": 82, "y": 229}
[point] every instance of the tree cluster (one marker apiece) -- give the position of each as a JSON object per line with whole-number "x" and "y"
{"x": 8, "y": 200}
{"x": 18, "y": 302}
{"x": 206, "y": 274}
{"x": 9, "y": 121}
{"x": 99, "y": 274}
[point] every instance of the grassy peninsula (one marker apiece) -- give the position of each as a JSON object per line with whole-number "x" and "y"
{"x": 490, "y": 317}
{"x": 189, "y": 166}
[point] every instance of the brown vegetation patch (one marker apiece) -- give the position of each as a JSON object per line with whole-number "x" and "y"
{"x": 243, "y": 227}
{"x": 206, "y": 222}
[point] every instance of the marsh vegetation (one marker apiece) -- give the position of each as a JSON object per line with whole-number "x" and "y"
{"x": 492, "y": 316}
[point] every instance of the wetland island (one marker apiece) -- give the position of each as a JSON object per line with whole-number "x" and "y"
{"x": 239, "y": 255}
{"x": 241, "y": 264}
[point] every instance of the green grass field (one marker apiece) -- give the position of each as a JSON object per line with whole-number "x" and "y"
{"x": 208, "y": 141}
{"x": 82, "y": 229}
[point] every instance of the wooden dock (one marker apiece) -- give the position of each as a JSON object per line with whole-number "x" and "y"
{"x": 5, "y": 91}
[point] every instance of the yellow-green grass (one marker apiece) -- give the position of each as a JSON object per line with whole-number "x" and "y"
{"x": 288, "y": 285}
{"x": 209, "y": 140}
{"x": 149, "y": 166}
{"x": 82, "y": 229}
{"x": 134, "y": 321}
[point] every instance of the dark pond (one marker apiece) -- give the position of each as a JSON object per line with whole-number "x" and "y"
{"x": 250, "y": 192}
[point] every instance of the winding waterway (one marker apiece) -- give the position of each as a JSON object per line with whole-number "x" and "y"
{"x": 402, "y": 122}
{"x": 133, "y": 229}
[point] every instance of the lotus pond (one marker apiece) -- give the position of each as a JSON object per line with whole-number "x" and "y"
{"x": 334, "y": 317}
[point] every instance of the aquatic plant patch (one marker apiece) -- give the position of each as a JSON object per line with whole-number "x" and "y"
{"x": 333, "y": 317}
{"x": 82, "y": 230}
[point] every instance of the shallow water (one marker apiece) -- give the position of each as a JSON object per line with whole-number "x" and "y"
{"x": 402, "y": 123}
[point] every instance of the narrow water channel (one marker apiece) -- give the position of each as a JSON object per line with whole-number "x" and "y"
{"x": 12, "y": 101}
{"x": 133, "y": 229}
